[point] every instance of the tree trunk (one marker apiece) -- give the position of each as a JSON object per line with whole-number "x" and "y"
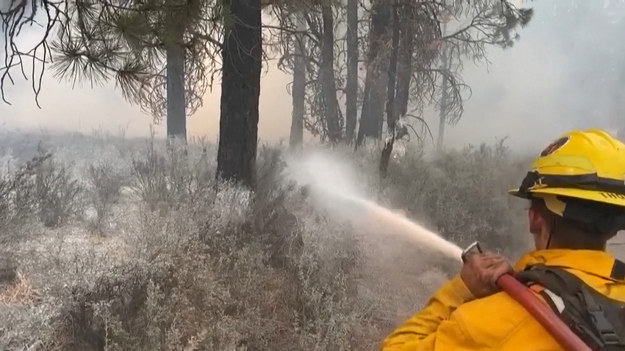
{"x": 240, "y": 91}
{"x": 371, "y": 117}
{"x": 404, "y": 61}
{"x": 442, "y": 118}
{"x": 391, "y": 117}
{"x": 299, "y": 86}
{"x": 176, "y": 114}
{"x": 326, "y": 72}
{"x": 351, "y": 88}
{"x": 392, "y": 73}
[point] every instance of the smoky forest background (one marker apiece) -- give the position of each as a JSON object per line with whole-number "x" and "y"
{"x": 176, "y": 242}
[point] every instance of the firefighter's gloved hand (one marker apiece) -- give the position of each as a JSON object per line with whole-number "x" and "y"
{"x": 481, "y": 271}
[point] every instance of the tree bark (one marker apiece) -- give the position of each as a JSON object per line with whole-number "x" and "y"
{"x": 404, "y": 61}
{"x": 240, "y": 91}
{"x": 326, "y": 72}
{"x": 391, "y": 117}
{"x": 351, "y": 86}
{"x": 299, "y": 86}
{"x": 392, "y": 73}
{"x": 442, "y": 118}
{"x": 176, "y": 113}
{"x": 371, "y": 117}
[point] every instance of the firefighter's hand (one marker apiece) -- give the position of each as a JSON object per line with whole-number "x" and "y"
{"x": 481, "y": 271}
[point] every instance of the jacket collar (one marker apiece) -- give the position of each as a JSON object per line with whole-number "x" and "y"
{"x": 598, "y": 263}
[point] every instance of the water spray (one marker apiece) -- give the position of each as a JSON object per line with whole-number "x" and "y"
{"x": 333, "y": 190}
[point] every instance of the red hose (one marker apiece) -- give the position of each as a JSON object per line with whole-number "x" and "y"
{"x": 545, "y": 316}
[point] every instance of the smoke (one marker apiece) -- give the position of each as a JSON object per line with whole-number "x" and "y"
{"x": 566, "y": 71}
{"x": 334, "y": 188}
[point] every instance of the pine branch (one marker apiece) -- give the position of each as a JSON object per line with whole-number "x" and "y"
{"x": 19, "y": 15}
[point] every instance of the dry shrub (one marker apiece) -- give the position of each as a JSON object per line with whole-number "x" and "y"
{"x": 463, "y": 194}
{"x": 41, "y": 187}
{"x": 104, "y": 191}
{"x": 56, "y": 191}
{"x": 224, "y": 270}
{"x": 18, "y": 197}
{"x": 25, "y": 327}
{"x": 165, "y": 178}
{"x": 206, "y": 266}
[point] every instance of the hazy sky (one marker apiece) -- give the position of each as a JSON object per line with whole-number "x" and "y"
{"x": 103, "y": 108}
{"x": 563, "y": 73}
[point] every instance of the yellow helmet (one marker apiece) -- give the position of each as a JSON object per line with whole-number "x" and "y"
{"x": 587, "y": 165}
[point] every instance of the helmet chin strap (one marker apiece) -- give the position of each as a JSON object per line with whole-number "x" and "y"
{"x": 553, "y": 228}
{"x": 549, "y": 239}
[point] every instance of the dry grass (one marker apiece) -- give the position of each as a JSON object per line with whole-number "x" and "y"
{"x": 18, "y": 292}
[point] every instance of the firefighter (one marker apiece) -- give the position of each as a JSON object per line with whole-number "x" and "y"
{"x": 576, "y": 192}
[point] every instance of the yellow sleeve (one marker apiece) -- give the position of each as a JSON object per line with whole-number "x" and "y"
{"x": 423, "y": 331}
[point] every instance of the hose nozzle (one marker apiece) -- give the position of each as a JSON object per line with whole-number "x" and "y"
{"x": 475, "y": 246}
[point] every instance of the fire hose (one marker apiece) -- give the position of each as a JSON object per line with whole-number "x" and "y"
{"x": 539, "y": 310}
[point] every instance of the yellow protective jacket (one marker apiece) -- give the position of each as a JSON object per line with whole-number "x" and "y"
{"x": 454, "y": 320}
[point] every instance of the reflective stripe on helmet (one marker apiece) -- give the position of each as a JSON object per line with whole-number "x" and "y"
{"x": 583, "y": 181}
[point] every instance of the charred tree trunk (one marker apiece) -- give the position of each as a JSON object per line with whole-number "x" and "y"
{"x": 351, "y": 88}
{"x": 176, "y": 114}
{"x": 240, "y": 90}
{"x": 299, "y": 87}
{"x": 391, "y": 117}
{"x": 326, "y": 72}
{"x": 371, "y": 117}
